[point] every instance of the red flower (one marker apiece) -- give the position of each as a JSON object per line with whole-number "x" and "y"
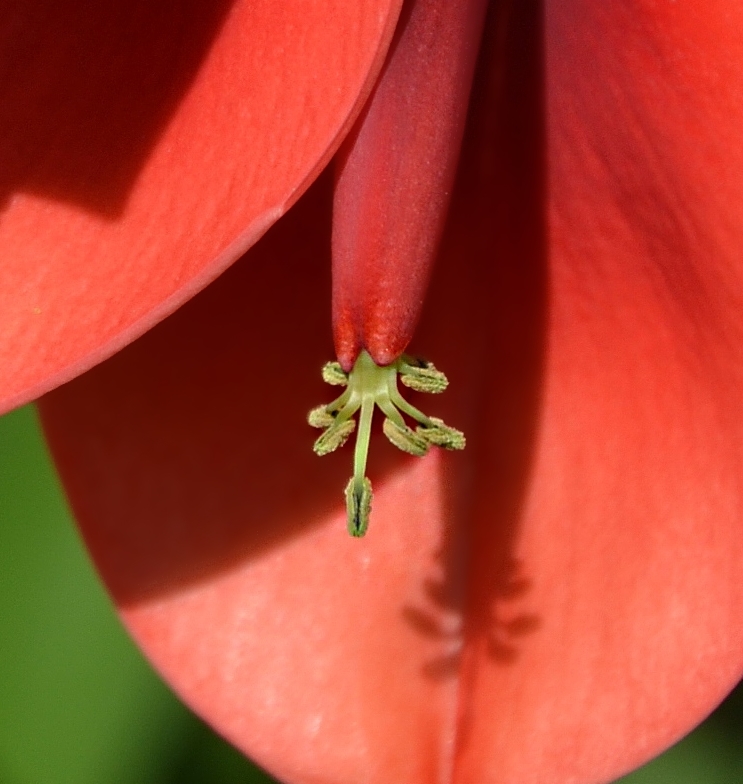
{"x": 557, "y": 603}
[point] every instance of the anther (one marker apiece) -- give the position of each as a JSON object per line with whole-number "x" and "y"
{"x": 336, "y": 435}
{"x": 333, "y": 373}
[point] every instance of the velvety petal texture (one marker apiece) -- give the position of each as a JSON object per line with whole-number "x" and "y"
{"x": 394, "y": 178}
{"x": 144, "y": 146}
{"x": 563, "y": 599}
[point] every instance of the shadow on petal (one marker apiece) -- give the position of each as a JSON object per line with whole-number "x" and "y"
{"x": 485, "y": 322}
{"x": 189, "y": 450}
{"x": 87, "y": 88}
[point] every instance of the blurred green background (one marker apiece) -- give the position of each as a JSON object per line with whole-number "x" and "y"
{"x": 79, "y": 705}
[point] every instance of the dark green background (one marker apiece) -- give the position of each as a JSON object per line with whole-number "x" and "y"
{"x": 79, "y": 705}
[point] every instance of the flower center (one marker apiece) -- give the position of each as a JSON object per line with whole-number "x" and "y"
{"x": 369, "y": 385}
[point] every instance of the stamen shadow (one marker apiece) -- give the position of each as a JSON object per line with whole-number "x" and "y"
{"x": 492, "y": 274}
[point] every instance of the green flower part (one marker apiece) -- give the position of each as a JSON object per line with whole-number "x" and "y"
{"x": 369, "y": 385}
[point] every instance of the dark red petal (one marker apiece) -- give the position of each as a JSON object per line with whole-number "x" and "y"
{"x": 144, "y": 146}
{"x": 561, "y": 600}
{"x": 395, "y": 176}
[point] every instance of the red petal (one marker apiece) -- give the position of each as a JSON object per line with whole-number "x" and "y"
{"x": 564, "y": 598}
{"x": 144, "y": 146}
{"x": 395, "y": 176}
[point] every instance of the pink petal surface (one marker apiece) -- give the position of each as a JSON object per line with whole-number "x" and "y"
{"x": 144, "y": 147}
{"x": 562, "y": 600}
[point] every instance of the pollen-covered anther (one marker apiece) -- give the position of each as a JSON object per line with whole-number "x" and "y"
{"x": 440, "y": 434}
{"x": 333, "y": 373}
{"x": 358, "y": 505}
{"x": 405, "y": 438}
{"x": 335, "y": 436}
{"x": 369, "y": 385}
{"x": 320, "y": 417}
{"x": 422, "y": 376}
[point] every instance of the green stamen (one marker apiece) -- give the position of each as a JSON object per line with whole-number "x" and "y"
{"x": 422, "y": 376}
{"x": 405, "y": 438}
{"x": 336, "y": 435}
{"x": 358, "y": 504}
{"x": 320, "y": 417}
{"x": 332, "y": 373}
{"x": 369, "y": 385}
